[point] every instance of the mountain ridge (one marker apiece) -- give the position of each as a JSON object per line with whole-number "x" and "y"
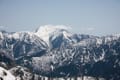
{"x": 62, "y": 53}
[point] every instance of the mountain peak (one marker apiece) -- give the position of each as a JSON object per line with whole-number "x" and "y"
{"x": 46, "y": 31}
{"x": 52, "y": 28}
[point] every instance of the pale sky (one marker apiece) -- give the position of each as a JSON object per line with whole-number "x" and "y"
{"x": 95, "y": 17}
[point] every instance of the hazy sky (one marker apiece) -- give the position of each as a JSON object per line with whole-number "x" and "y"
{"x": 97, "y": 17}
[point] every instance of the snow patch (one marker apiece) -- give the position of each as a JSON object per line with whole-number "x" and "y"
{"x": 6, "y": 75}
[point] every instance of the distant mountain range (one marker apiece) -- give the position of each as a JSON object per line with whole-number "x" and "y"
{"x": 53, "y": 51}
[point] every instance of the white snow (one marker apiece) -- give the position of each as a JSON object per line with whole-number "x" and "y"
{"x": 66, "y": 34}
{"x": 14, "y": 35}
{"x": 112, "y": 37}
{"x": 99, "y": 41}
{"x": 20, "y": 35}
{"x": 117, "y": 35}
{"x": 103, "y": 55}
{"x": 1, "y": 35}
{"x": 6, "y": 75}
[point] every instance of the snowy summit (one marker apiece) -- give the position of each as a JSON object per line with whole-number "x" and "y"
{"x": 46, "y": 31}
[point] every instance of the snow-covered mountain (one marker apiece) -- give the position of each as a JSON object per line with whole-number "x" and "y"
{"x": 22, "y": 43}
{"x": 53, "y": 51}
{"x": 57, "y": 36}
{"x": 53, "y": 35}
